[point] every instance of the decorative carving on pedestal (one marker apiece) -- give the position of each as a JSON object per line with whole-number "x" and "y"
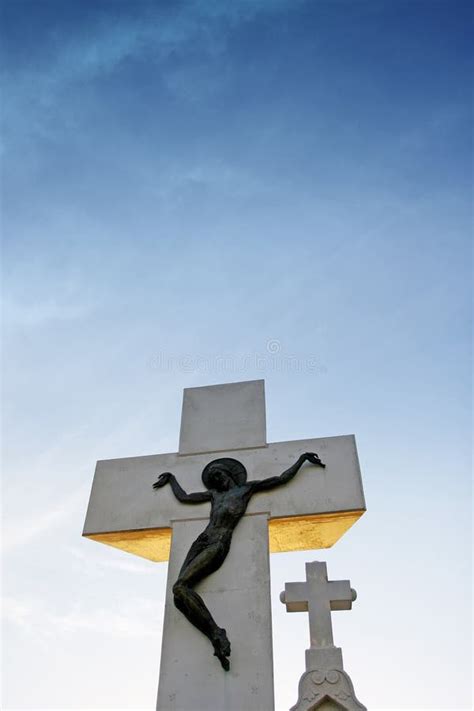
{"x": 324, "y": 685}
{"x": 316, "y": 688}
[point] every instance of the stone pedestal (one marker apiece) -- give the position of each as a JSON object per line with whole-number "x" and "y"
{"x": 325, "y": 686}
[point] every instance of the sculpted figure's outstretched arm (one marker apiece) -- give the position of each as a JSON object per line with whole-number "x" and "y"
{"x": 197, "y": 498}
{"x": 288, "y": 474}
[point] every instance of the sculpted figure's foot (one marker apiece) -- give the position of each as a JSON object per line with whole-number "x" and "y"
{"x": 221, "y": 646}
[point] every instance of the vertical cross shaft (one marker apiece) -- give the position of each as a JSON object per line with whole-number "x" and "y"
{"x": 221, "y": 418}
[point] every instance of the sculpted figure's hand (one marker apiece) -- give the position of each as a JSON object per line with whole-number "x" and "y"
{"x": 163, "y": 479}
{"x": 313, "y": 458}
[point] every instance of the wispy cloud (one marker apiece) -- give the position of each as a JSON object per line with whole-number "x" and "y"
{"x": 40, "y": 313}
{"x": 129, "y": 620}
{"x": 21, "y": 531}
{"x": 127, "y": 565}
{"x": 98, "y": 49}
{"x": 28, "y": 297}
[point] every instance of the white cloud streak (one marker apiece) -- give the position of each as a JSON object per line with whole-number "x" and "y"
{"x": 137, "y": 618}
{"x": 126, "y": 565}
{"x": 100, "y": 49}
{"x": 21, "y": 531}
{"x": 40, "y": 313}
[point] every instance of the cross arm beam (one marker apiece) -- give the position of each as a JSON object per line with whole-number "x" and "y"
{"x": 295, "y": 597}
{"x": 312, "y": 511}
{"x": 341, "y": 595}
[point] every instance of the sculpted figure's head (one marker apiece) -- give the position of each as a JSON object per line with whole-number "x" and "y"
{"x": 223, "y": 474}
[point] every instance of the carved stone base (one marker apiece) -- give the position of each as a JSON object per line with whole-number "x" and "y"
{"x": 326, "y": 686}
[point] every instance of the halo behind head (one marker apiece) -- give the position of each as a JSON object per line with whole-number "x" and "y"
{"x": 232, "y": 467}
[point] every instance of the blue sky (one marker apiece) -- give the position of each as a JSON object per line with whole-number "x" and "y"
{"x": 201, "y": 192}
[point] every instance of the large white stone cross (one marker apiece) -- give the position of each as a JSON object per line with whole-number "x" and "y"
{"x": 312, "y": 511}
{"x": 318, "y": 596}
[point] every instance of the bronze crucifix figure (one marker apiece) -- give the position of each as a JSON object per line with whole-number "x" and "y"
{"x": 229, "y": 493}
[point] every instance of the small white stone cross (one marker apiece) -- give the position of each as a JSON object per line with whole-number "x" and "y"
{"x": 318, "y": 596}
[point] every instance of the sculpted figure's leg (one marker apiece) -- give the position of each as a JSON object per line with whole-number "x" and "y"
{"x": 191, "y": 604}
